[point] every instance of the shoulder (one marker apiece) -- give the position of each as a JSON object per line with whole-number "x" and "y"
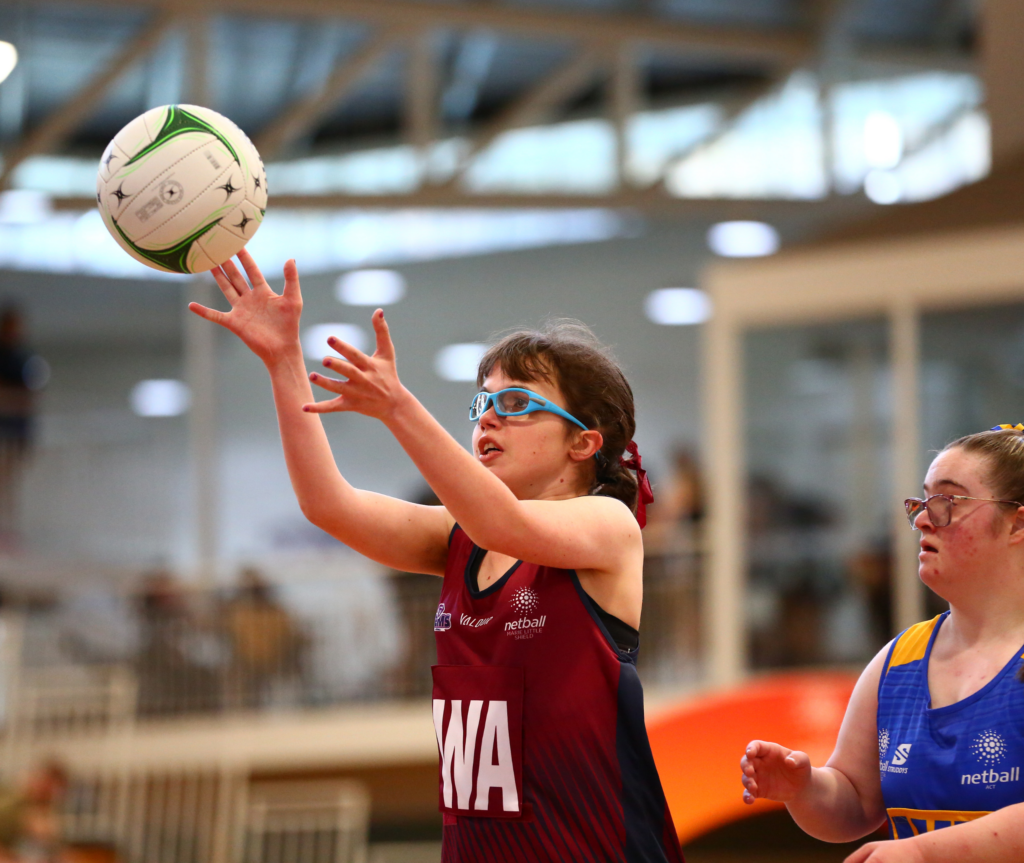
{"x": 909, "y": 646}
{"x": 605, "y": 513}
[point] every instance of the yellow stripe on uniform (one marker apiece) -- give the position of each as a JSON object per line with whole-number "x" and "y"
{"x": 913, "y": 644}
{"x": 927, "y": 818}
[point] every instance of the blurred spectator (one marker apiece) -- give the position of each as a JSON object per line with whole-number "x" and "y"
{"x": 266, "y": 644}
{"x": 871, "y": 574}
{"x": 18, "y": 378}
{"x": 670, "y": 630}
{"x": 678, "y": 509}
{"x": 29, "y": 818}
{"x": 792, "y": 579}
{"x": 416, "y": 598}
{"x": 178, "y": 660}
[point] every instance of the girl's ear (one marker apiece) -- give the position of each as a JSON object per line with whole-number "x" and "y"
{"x": 1017, "y": 530}
{"x": 585, "y": 445}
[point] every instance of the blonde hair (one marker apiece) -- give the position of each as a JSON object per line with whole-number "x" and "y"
{"x": 1003, "y": 450}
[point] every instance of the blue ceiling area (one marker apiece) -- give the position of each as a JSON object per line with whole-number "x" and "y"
{"x": 260, "y": 65}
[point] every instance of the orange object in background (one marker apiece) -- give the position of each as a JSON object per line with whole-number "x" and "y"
{"x": 698, "y": 745}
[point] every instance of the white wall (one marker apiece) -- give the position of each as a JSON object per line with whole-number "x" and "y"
{"x": 111, "y": 486}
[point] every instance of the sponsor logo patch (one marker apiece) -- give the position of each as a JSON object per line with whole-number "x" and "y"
{"x": 902, "y": 753}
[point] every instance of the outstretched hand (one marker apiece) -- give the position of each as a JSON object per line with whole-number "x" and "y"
{"x": 371, "y": 387}
{"x": 902, "y": 851}
{"x": 266, "y": 322}
{"x": 773, "y": 772}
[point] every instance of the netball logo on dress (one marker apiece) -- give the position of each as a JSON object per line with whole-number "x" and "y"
{"x": 883, "y": 742}
{"x": 442, "y": 621}
{"x": 525, "y": 601}
{"x": 990, "y": 749}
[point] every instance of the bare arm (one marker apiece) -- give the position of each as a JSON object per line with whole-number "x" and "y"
{"x": 590, "y": 533}
{"x": 841, "y": 801}
{"x": 994, "y": 838}
{"x": 393, "y": 532}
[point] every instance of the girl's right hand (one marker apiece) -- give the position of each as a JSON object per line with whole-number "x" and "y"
{"x": 773, "y": 772}
{"x": 266, "y": 322}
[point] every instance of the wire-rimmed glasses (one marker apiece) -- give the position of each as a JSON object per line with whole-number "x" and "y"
{"x": 940, "y": 507}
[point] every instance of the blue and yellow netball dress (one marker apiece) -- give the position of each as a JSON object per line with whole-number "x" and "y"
{"x": 953, "y": 764}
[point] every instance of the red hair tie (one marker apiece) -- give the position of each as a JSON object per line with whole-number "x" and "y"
{"x": 644, "y": 493}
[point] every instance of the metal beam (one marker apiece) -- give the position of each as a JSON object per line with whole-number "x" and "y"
{"x": 733, "y": 109}
{"x": 65, "y": 119}
{"x": 298, "y": 119}
{"x": 871, "y": 61}
{"x": 421, "y": 93}
{"x": 626, "y": 88}
{"x": 534, "y": 105}
{"x": 653, "y": 202}
{"x": 197, "y": 52}
{"x": 908, "y": 599}
{"x": 607, "y": 28}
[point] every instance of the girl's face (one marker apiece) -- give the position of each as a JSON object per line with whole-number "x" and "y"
{"x": 538, "y": 455}
{"x": 972, "y": 548}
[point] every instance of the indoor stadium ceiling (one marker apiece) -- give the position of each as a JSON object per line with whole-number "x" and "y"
{"x": 307, "y": 77}
{"x": 471, "y": 62}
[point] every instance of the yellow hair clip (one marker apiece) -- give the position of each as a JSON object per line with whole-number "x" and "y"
{"x": 1006, "y": 426}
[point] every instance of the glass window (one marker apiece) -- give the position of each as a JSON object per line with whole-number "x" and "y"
{"x": 818, "y": 498}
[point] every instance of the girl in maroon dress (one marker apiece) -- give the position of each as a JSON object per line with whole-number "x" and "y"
{"x": 537, "y": 706}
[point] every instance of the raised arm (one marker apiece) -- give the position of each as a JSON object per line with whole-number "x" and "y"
{"x": 590, "y": 533}
{"x": 841, "y": 801}
{"x": 396, "y": 533}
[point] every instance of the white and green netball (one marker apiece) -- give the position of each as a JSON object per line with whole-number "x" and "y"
{"x": 181, "y": 188}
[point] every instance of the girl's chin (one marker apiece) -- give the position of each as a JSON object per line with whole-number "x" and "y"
{"x": 933, "y": 580}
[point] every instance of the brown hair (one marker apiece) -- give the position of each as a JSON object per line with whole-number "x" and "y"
{"x": 1004, "y": 451}
{"x": 569, "y": 355}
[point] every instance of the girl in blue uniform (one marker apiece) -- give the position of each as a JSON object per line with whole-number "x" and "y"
{"x": 934, "y": 733}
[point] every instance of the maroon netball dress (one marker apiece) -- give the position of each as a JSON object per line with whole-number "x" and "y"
{"x": 539, "y": 718}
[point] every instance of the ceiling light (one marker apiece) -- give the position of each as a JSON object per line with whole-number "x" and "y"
{"x": 24, "y": 207}
{"x": 160, "y": 398}
{"x": 677, "y": 306}
{"x": 459, "y": 362}
{"x": 883, "y": 187}
{"x": 743, "y": 239}
{"x": 370, "y": 288}
{"x": 883, "y": 140}
{"x": 8, "y": 59}
{"x": 314, "y": 339}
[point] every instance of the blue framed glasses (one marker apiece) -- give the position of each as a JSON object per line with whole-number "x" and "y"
{"x": 516, "y": 402}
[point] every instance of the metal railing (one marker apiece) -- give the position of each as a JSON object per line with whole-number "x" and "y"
{"x": 297, "y": 646}
{"x": 169, "y": 653}
{"x": 217, "y": 817}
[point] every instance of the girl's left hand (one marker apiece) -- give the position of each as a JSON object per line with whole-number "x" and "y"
{"x": 892, "y": 851}
{"x": 372, "y": 387}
